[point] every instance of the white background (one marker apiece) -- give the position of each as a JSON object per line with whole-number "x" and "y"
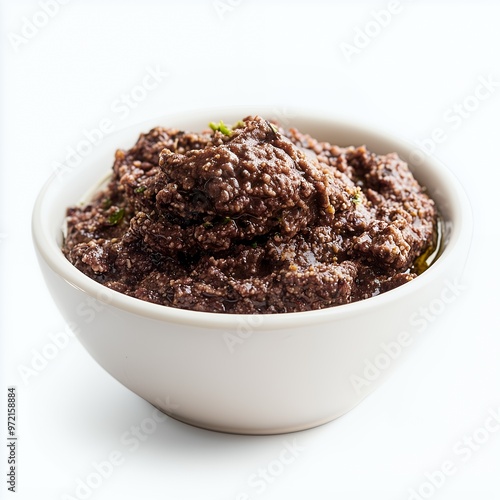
{"x": 66, "y": 77}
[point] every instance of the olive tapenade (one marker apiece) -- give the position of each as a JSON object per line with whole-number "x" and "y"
{"x": 251, "y": 219}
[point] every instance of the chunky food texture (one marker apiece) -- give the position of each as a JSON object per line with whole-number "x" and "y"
{"x": 252, "y": 219}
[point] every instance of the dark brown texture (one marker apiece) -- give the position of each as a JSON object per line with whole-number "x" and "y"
{"x": 261, "y": 221}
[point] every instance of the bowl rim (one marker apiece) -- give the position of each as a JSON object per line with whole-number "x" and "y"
{"x": 461, "y": 233}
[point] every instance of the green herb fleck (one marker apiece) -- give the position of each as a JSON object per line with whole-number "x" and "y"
{"x": 273, "y": 127}
{"x": 221, "y": 127}
{"x": 140, "y": 189}
{"x": 254, "y": 244}
{"x": 207, "y": 225}
{"x": 227, "y": 220}
{"x": 116, "y": 217}
{"x": 239, "y": 124}
{"x": 356, "y": 199}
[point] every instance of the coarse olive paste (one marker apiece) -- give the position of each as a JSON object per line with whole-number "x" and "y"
{"x": 251, "y": 219}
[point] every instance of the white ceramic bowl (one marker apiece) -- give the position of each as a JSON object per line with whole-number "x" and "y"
{"x": 257, "y": 374}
